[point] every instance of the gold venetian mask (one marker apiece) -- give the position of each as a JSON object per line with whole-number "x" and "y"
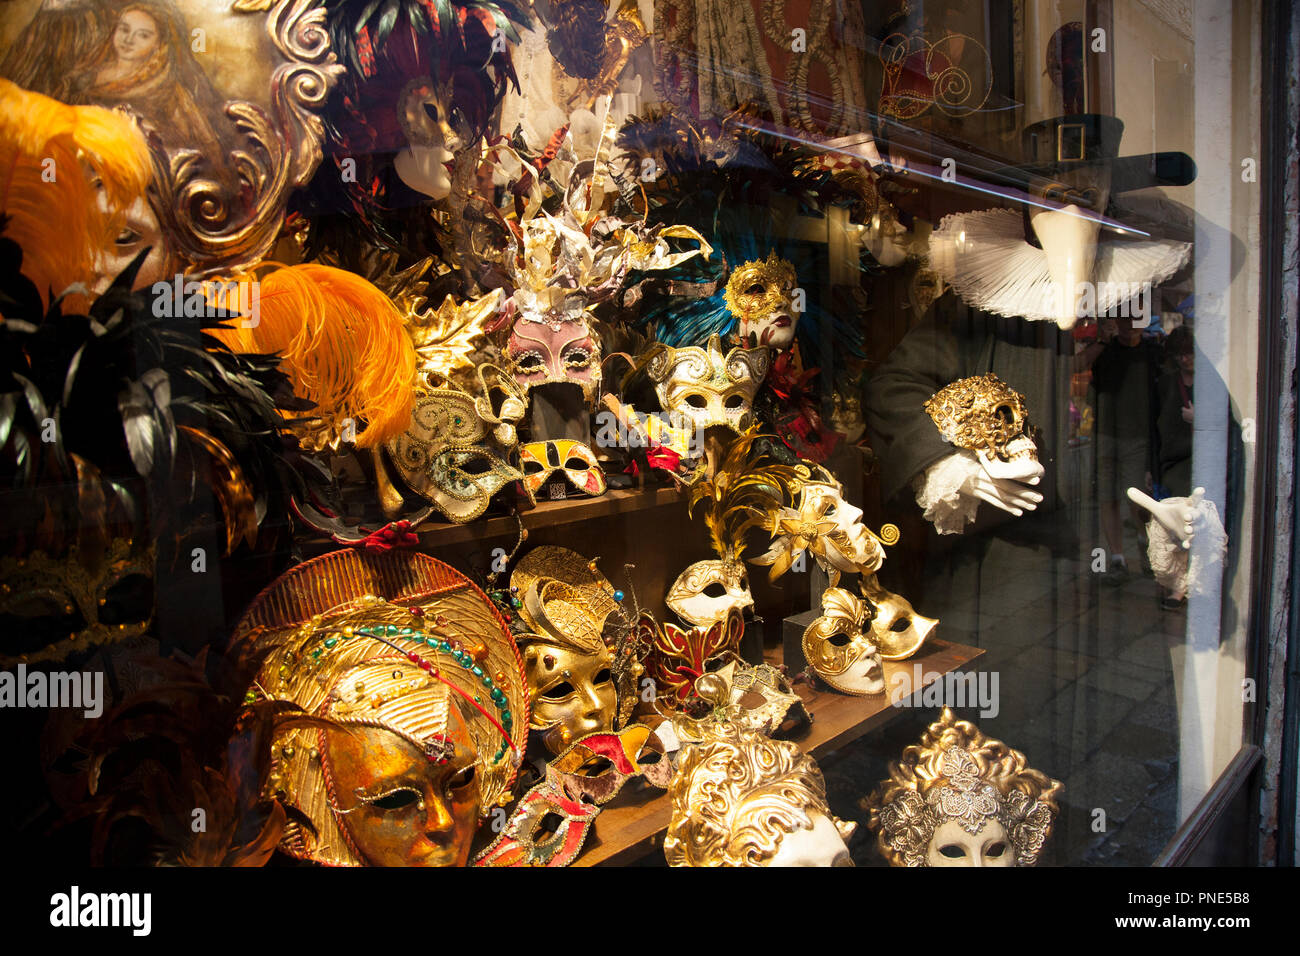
{"x": 759, "y": 294}
{"x": 839, "y": 645}
{"x": 962, "y": 799}
{"x": 896, "y": 628}
{"x": 570, "y": 667}
{"x": 706, "y": 386}
{"x": 707, "y": 590}
{"x": 983, "y": 414}
{"x": 740, "y": 798}
{"x": 422, "y": 695}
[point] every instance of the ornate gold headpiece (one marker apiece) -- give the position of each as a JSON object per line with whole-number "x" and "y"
{"x": 957, "y": 773}
{"x": 736, "y": 795}
{"x": 981, "y": 413}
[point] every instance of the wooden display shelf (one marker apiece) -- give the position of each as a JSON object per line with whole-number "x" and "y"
{"x": 435, "y": 534}
{"x": 633, "y": 825}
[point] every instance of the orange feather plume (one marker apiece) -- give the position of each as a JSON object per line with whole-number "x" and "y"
{"x": 342, "y": 343}
{"x": 67, "y": 176}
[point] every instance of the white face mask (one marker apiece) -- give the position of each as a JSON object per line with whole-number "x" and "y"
{"x": 707, "y": 590}
{"x": 820, "y": 846}
{"x": 863, "y": 549}
{"x": 433, "y": 139}
{"x": 953, "y": 846}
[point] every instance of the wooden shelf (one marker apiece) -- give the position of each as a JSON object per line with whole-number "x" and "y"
{"x": 435, "y": 534}
{"x": 632, "y": 826}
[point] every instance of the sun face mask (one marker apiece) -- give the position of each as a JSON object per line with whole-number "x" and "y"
{"x": 838, "y": 645}
{"x": 760, "y": 295}
{"x": 742, "y": 799}
{"x": 548, "y": 350}
{"x": 445, "y": 455}
{"x": 707, "y": 590}
{"x": 962, "y": 799}
{"x": 707, "y": 387}
{"x": 896, "y": 628}
{"x": 985, "y": 415}
{"x": 540, "y": 460}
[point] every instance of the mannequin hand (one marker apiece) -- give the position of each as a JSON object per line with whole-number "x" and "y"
{"x": 1188, "y": 411}
{"x": 1004, "y": 484}
{"x": 1174, "y": 514}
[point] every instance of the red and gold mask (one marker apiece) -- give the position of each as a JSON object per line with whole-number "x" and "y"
{"x": 677, "y": 657}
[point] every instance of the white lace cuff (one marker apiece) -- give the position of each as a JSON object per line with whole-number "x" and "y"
{"x": 1182, "y": 571}
{"x": 944, "y": 492}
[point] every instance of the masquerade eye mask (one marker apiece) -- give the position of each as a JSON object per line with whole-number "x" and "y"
{"x": 539, "y": 460}
{"x": 444, "y": 456}
{"x": 706, "y": 386}
{"x": 896, "y": 628}
{"x": 678, "y": 657}
{"x": 707, "y": 590}
{"x": 759, "y": 295}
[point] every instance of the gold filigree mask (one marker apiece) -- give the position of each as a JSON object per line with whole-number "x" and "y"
{"x": 73, "y": 603}
{"x": 983, "y": 414}
{"x": 742, "y": 799}
{"x": 825, "y": 524}
{"x": 839, "y": 645}
{"x": 759, "y": 294}
{"x": 708, "y": 387}
{"x": 446, "y": 456}
{"x": 962, "y": 799}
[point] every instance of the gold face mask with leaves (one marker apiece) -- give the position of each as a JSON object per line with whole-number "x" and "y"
{"x": 760, "y": 295}
{"x": 839, "y": 647}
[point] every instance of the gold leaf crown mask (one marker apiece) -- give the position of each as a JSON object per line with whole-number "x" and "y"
{"x": 737, "y": 795}
{"x": 957, "y": 773}
{"x": 707, "y": 386}
{"x": 390, "y": 642}
{"x": 981, "y": 413}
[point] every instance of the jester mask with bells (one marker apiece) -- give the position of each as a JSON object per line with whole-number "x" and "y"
{"x": 824, "y": 524}
{"x": 706, "y": 387}
{"x": 985, "y": 415}
{"x": 736, "y": 499}
{"x": 760, "y": 294}
{"x": 962, "y": 799}
{"x": 426, "y": 700}
{"x": 578, "y": 682}
{"x": 839, "y": 645}
{"x": 740, "y": 798}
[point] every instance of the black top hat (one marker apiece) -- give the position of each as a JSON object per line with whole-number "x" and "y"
{"x": 1054, "y": 146}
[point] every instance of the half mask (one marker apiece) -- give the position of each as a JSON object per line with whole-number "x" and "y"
{"x": 839, "y": 645}
{"x": 541, "y": 461}
{"x": 760, "y": 295}
{"x": 896, "y": 628}
{"x": 706, "y": 386}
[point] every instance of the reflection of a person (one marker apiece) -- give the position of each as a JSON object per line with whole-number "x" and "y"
{"x": 1123, "y": 394}
{"x": 144, "y": 64}
{"x": 1176, "y": 412}
{"x": 60, "y": 37}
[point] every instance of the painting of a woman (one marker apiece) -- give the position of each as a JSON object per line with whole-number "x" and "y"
{"x": 144, "y": 63}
